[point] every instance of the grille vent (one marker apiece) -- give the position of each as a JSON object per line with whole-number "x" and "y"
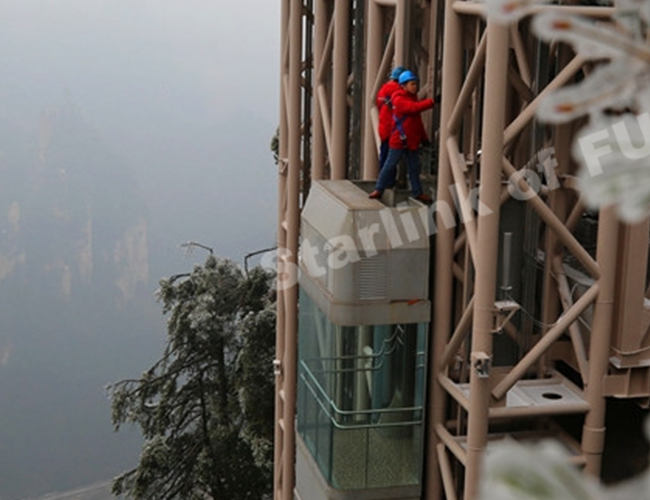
{"x": 373, "y": 279}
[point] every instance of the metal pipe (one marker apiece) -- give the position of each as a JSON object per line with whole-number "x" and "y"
{"x": 373, "y": 59}
{"x": 505, "y": 262}
{"x": 628, "y": 330}
{"x": 454, "y": 391}
{"x": 357, "y": 119}
{"x": 361, "y": 389}
{"x": 318, "y": 133}
{"x": 401, "y": 33}
{"x": 292, "y": 219}
{"x": 308, "y": 86}
{"x": 519, "y": 370}
{"x": 386, "y": 60}
{"x": 538, "y": 411}
{"x": 459, "y": 243}
{"x": 459, "y": 334}
{"x": 374, "y": 131}
{"x": 326, "y": 58}
{"x": 443, "y": 284}
{"x": 522, "y": 89}
{"x": 470, "y": 83}
{"x": 278, "y": 439}
{"x": 433, "y": 45}
{"x": 496, "y": 76}
{"x": 593, "y": 432}
{"x": 465, "y": 203}
{"x": 575, "y": 215}
{"x": 567, "y": 301}
{"x": 453, "y": 445}
{"x": 285, "y": 88}
{"x": 338, "y": 155}
{"x": 447, "y": 475}
{"x": 557, "y": 203}
{"x": 528, "y": 113}
{"x": 459, "y": 272}
{"x": 325, "y": 116}
{"x": 520, "y": 54}
{"x": 372, "y": 169}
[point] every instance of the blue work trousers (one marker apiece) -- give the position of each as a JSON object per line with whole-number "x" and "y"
{"x": 383, "y": 154}
{"x": 388, "y": 172}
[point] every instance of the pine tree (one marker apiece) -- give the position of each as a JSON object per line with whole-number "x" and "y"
{"x": 205, "y": 409}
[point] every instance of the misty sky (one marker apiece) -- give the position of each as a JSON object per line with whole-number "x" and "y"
{"x": 185, "y": 94}
{"x": 186, "y": 91}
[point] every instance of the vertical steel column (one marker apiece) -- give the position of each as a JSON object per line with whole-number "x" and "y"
{"x": 557, "y": 202}
{"x": 318, "y": 133}
{"x": 282, "y": 187}
{"x": 356, "y": 121}
{"x": 402, "y": 33}
{"x": 292, "y": 223}
{"x": 496, "y": 71}
{"x": 340, "y": 56}
{"x": 443, "y": 284}
{"x": 433, "y": 47}
{"x": 593, "y": 432}
{"x": 631, "y": 269}
{"x": 373, "y": 60}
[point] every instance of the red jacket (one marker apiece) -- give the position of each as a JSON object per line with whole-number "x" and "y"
{"x": 384, "y": 105}
{"x": 407, "y": 109}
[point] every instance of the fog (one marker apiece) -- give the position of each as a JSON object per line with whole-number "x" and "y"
{"x": 127, "y": 127}
{"x": 185, "y": 91}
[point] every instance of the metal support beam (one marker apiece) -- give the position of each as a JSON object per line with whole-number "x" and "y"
{"x": 340, "y": 70}
{"x": 496, "y": 74}
{"x": 318, "y": 127}
{"x": 443, "y": 283}
{"x": 373, "y": 78}
{"x": 593, "y": 432}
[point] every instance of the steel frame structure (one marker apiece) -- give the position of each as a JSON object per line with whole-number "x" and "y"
{"x": 492, "y": 84}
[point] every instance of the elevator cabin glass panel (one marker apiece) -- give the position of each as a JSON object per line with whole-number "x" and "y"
{"x": 360, "y": 399}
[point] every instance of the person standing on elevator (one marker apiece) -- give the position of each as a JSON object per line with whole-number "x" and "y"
{"x": 385, "y": 107}
{"x": 406, "y": 137}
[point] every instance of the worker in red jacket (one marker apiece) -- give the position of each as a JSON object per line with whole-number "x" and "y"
{"x": 405, "y": 139}
{"x": 385, "y": 107}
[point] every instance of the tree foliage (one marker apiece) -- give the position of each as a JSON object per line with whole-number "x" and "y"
{"x": 205, "y": 409}
{"x": 275, "y": 146}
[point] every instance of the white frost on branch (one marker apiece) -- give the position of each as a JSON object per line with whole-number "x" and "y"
{"x": 615, "y": 153}
{"x": 538, "y": 471}
{"x": 610, "y": 85}
{"x": 615, "y": 94}
{"x": 542, "y": 471}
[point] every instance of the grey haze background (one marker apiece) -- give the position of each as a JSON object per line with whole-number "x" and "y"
{"x": 126, "y": 128}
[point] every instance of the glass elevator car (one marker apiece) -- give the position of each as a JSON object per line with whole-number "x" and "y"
{"x": 363, "y": 319}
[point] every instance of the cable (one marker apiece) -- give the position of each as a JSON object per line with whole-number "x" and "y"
{"x": 535, "y": 321}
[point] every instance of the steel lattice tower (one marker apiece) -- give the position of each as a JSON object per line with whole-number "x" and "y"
{"x": 538, "y": 305}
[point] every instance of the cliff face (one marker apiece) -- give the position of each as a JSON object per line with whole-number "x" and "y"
{"x": 73, "y": 214}
{"x": 75, "y": 266}
{"x": 131, "y": 257}
{"x": 76, "y": 302}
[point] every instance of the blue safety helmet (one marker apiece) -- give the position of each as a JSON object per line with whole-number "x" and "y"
{"x": 407, "y": 76}
{"x": 394, "y": 75}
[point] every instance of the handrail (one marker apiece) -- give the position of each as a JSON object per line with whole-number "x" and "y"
{"x": 419, "y": 354}
{"x": 332, "y": 410}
